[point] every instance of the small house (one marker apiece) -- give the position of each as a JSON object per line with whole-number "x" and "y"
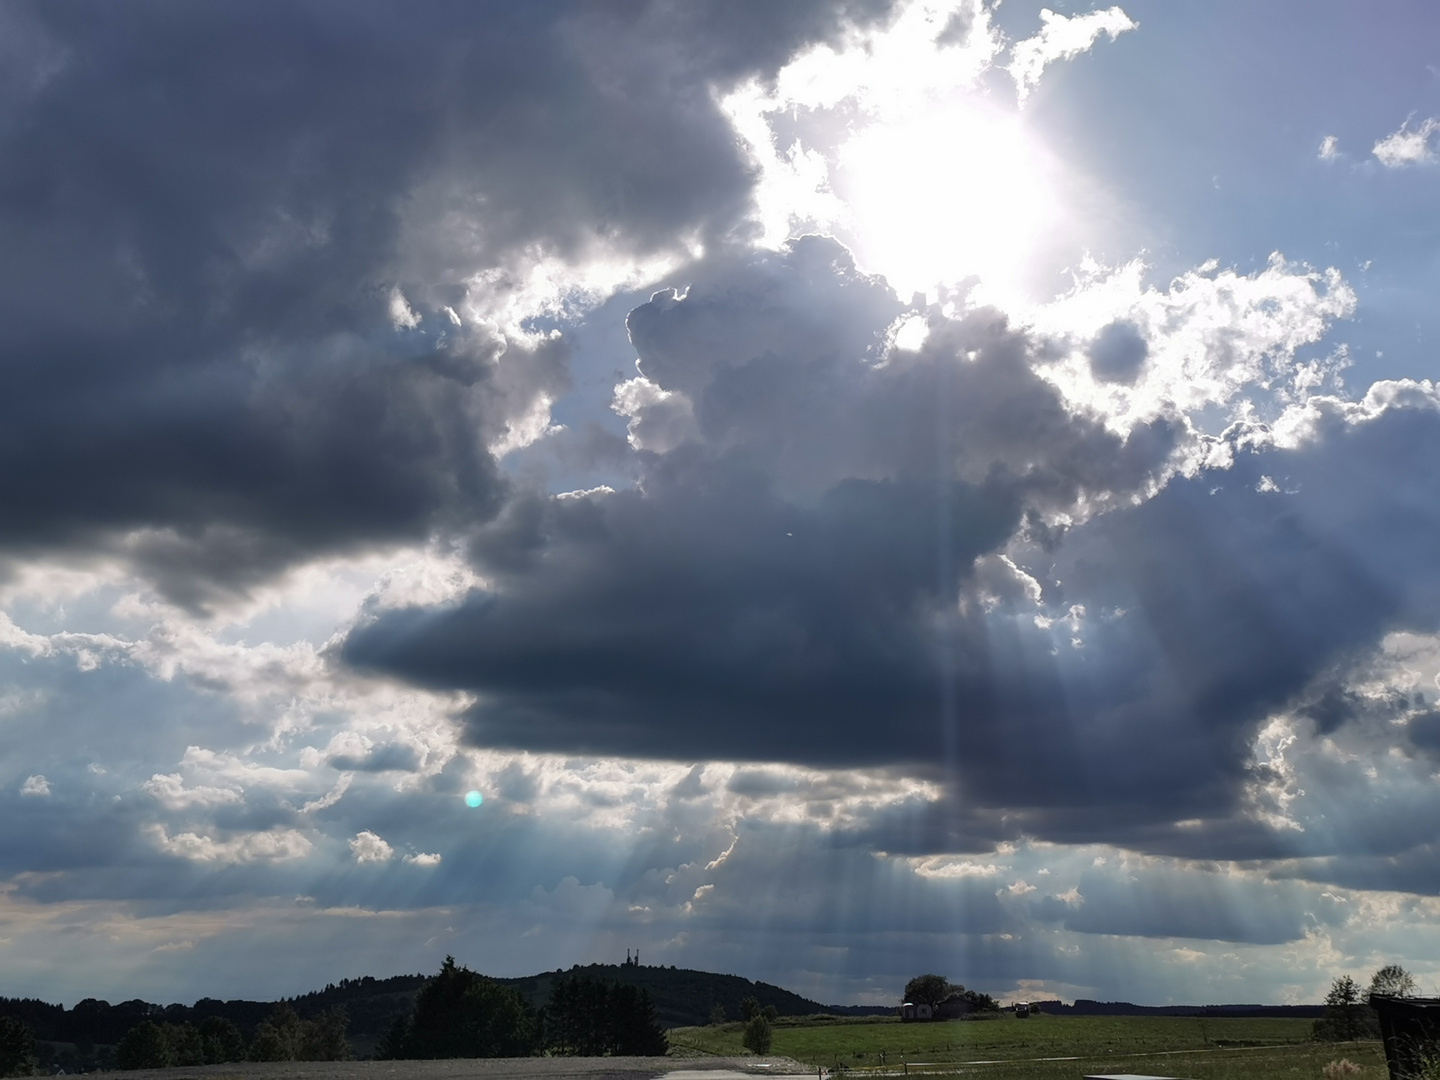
{"x": 953, "y": 1008}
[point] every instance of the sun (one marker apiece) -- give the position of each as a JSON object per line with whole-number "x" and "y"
{"x": 958, "y": 192}
{"x": 895, "y": 144}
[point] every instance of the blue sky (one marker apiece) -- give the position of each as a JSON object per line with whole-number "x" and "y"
{"x": 858, "y": 487}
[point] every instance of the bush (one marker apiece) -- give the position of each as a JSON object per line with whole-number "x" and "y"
{"x": 283, "y": 1036}
{"x": 758, "y": 1035}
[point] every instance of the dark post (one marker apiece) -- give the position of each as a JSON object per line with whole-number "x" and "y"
{"x": 1410, "y": 1028}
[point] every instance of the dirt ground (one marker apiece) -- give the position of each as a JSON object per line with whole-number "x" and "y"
{"x": 537, "y": 1068}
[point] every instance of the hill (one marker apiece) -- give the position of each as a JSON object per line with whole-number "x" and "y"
{"x": 684, "y": 997}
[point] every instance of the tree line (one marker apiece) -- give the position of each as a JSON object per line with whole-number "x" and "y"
{"x": 281, "y": 1036}
{"x": 457, "y": 1013}
{"x": 460, "y": 1013}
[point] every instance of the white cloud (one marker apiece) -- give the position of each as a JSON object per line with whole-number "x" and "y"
{"x": 422, "y": 858}
{"x": 660, "y": 419}
{"x": 278, "y": 846}
{"x": 1329, "y": 148}
{"x": 170, "y": 790}
{"x": 526, "y": 427}
{"x": 1061, "y": 38}
{"x": 368, "y": 847}
{"x": 35, "y": 785}
{"x": 1210, "y": 337}
{"x": 331, "y": 797}
{"x": 1407, "y": 146}
{"x": 943, "y": 866}
{"x": 401, "y": 314}
{"x": 585, "y": 493}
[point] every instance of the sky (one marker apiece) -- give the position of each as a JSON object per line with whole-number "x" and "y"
{"x": 822, "y": 491}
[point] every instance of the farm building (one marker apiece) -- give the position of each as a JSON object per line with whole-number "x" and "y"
{"x": 952, "y": 1008}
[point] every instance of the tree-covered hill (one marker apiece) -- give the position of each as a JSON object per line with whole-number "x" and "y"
{"x": 682, "y": 997}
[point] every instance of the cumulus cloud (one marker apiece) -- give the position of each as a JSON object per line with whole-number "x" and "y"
{"x": 271, "y": 846}
{"x": 368, "y": 847}
{"x": 35, "y": 785}
{"x": 1408, "y": 146}
{"x": 810, "y": 530}
{"x": 170, "y": 789}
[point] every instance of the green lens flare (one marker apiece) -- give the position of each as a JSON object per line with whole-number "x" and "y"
{"x": 473, "y": 799}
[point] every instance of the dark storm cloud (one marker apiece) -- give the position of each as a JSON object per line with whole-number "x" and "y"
{"x": 778, "y": 586}
{"x": 774, "y": 588}
{"x": 1424, "y": 731}
{"x": 205, "y": 209}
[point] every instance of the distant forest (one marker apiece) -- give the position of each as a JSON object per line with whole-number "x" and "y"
{"x": 375, "y": 1011}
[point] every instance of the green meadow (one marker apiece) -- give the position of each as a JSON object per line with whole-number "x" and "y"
{"x": 1009, "y": 1049}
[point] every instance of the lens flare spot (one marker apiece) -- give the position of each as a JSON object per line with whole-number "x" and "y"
{"x": 473, "y": 799}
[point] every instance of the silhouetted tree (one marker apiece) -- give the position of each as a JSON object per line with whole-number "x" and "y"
{"x": 461, "y": 1014}
{"x": 323, "y": 1037}
{"x": 1394, "y": 980}
{"x": 222, "y": 1040}
{"x": 927, "y": 989}
{"x": 278, "y": 1037}
{"x": 634, "y": 1031}
{"x": 577, "y": 1016}
{"x": 1345, "y": 1015}
{"x": 144, "y": 1047}
{"x": 392, "y": 1045}
{"x": 717, "y": 1015}
{"x": 17, "y": 1047}
{"x": 749, "y": 1007}
{"x": 186, "y": 1045}
{"x": 984, "y": 1002}
{"x": 590, "y": 1018}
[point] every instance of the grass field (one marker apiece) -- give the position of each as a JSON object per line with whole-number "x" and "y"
{"x": 1011, "y": 1049}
